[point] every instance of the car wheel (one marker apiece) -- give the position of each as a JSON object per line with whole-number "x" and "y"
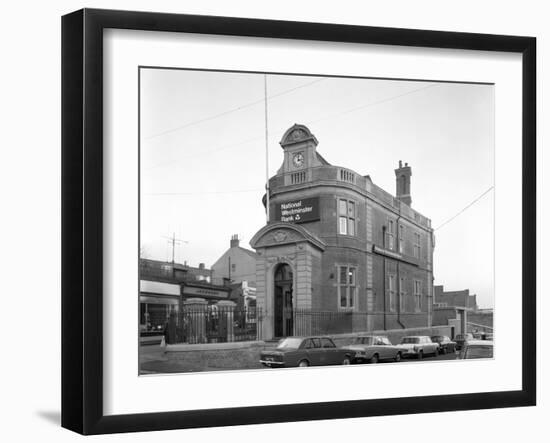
{"x": 398, "y": 356}
{"x": 303, "y": 364}
{"x": 420, "y": 355}
{"x": 374, "y": 359}
{"x": 346, "y": 361}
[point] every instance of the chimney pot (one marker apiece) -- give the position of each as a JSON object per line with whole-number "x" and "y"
{"x": 234, "y": 243}
{"x": 403, "y": 183}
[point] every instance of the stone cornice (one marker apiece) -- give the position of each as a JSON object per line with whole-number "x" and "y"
{"x": 279, "y": 235}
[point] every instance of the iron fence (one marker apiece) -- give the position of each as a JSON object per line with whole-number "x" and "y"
{"x": 214, "y": 324}
{"x": 220, "y": 324}
{"x": 308, "y": 322}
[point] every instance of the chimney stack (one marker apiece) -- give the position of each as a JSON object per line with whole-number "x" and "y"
{"x": 403, "y": 183}
{"x": 234, "y": 243}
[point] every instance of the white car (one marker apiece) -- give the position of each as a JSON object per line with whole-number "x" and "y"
{"x": 374, "y": 348}
{"x": 477, "y": 349}
{"x": 418, "y": 346}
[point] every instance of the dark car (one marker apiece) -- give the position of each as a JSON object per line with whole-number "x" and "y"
{"x": 445, "y": 343}
{"x": 462, "y": 339}
{"x": 477, "y": 349}
{"x": 305, "y": 351}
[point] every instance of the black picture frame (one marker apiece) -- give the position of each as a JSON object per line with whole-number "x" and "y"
{"x": 82, "y": 215}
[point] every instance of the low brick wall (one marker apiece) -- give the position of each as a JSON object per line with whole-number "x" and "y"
{"x": 240, "y": 355}
{"x": 236, "y": 355}
{"x": 481, "y": 318}
{"x": 394, "y": 335}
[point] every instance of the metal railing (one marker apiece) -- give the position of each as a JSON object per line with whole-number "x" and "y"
{"x": 308, "y": 322}
{"x": 221, "y": 324}
{"x": 214, "y": 324}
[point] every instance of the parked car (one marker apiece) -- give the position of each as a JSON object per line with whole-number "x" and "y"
{"x": 418, "y": 346}
{"x": 306, "y": 351}
{"x": 374, "y": 348}
{"x": 445, "y": 343}
{"x": 462, "y": 339}
{"x": 477, "y": 349}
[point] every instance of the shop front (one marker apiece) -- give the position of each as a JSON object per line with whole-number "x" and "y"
{"x": 157, "y": 300}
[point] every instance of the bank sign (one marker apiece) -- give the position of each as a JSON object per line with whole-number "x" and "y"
{"x": 298, "y": 211}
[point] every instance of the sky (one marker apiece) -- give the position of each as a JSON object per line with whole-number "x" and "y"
{"x": 203, "y": 158}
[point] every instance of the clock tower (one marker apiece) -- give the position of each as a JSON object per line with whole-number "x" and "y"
{"x": 299, "y": 145}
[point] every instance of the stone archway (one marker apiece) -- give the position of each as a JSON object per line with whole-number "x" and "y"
{"x": 286, "y": 247}
{"x": 283, "y": 285}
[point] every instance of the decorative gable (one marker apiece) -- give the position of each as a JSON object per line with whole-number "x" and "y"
{"x": 277, "y": 234}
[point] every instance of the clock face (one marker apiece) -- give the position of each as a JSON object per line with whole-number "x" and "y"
{"x": 298, "y": 160}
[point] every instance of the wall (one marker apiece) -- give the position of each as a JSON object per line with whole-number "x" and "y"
{"x": 243, "y": 266}
{"x": 481, "y": 318}
{"x": 395, "y": 335}
{"x": 455, "y": 298}
{"x": 30, "y": 226}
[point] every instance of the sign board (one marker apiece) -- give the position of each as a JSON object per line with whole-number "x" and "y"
{"x": 194, "y": 291}
{"x": 155, "y": 287}
{"x": 298, "y": 211}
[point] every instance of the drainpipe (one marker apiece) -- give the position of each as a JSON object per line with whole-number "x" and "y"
{"x": 399, "y": 277}
{"x": 384, "y": 274}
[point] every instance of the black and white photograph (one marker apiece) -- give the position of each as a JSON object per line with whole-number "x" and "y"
{"x": 288, "y": 221}
{"x": 262, "y": 222}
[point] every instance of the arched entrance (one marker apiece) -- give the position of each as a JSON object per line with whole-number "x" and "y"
{"x": 283, "y": 301}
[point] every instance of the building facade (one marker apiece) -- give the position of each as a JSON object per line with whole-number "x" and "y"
{"x": 236, "y": 264}
{"x": 340, "y": 254}
{"x": 165, "y": 286}
{"x": 461, "y": 299}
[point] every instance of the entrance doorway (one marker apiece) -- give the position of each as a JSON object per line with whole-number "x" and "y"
{"x": 284, "y": 316}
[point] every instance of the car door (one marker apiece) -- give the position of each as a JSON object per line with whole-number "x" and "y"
{"x": 386, "y": 349}
{"x": 426, "y": 346}
{"x": 314, "y": 351}
{"x": 331, "y": 354}
{"x": 433, "y": 346}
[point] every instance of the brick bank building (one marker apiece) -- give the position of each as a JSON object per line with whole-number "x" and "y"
{"x": 339, "y": 254}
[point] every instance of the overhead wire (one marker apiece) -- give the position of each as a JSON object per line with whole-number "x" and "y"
{"x": 230, "y": 111}
{"x": 204, "y": 192}
{"x": 465, "y": 208}
{"x": 348, "y": 111}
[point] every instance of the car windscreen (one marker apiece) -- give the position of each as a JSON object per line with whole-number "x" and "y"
{"x": 479, "y": 352}
{"x": 363, "y": 341}
{"x": 407, "y": 340}
{"x": 289, "y": 343}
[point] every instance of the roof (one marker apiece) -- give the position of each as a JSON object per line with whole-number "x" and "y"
{"x": 252, "y": 254}
{"x": 322, "y": 159}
